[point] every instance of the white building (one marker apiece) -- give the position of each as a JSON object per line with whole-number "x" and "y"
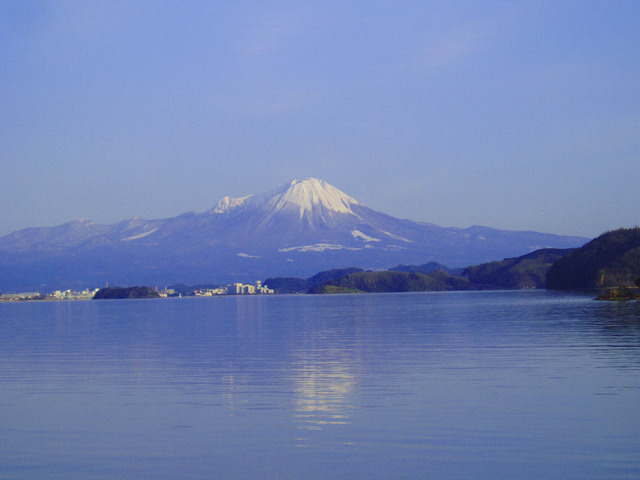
{"x": 248, "y": 289}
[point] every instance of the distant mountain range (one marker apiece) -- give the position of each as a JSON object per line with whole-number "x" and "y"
{"x": 610, "y": 262}
{"x": 526, "y": 271}
{"x": 299, "y": 229}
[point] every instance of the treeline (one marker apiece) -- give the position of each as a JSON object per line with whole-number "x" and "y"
{"x": 611, "y": 260}
{"x": 127, "y": 292}
{"x": 303, "y": 285}
{"x": 528, "y": 271}
{"x": 390, "y": 281}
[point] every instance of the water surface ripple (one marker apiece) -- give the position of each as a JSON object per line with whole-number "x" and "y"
{"x": 456, "y": 385}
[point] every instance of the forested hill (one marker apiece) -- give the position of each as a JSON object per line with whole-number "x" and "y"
{"x": 528, "y": 271}
{"x": 611, "y": 260}
{"x": 111, "y": 293}
{"x": 389, "y": 281}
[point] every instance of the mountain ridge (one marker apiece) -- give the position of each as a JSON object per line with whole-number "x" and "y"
{"x": 610, "y": 260}
{"x": 300, "y": 228}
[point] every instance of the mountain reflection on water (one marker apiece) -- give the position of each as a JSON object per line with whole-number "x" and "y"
{"x": 456, "y": 385}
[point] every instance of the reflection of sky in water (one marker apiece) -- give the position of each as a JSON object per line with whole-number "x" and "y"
{"x": 229, "y": 387}
{"x": 319, "y": 375}
{"x": 322, "y": 391}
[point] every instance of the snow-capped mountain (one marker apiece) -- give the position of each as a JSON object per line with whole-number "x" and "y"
{"x": 304, "y": 197}
{"x": 296, "y": 230}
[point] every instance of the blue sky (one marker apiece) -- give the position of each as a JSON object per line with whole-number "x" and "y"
{"x": 514, "y": 115}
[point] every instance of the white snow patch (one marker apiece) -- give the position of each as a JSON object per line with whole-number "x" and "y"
{"x": 394, "y": 248}
{"x": 366, "y": 238}
{"x": 397, "y": 237}
{"x": 141, "y": 235}
{"x": 227, "y": 204}
{"x": 318, "y": 247}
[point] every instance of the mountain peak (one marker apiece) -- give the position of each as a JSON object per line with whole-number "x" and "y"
{"x": 303, "y": 227}
{"x": 227, "y": 204}
{"x": 314, "y": 202}
{"x": 311, "y": 194}
{"x": 308, "y": 198}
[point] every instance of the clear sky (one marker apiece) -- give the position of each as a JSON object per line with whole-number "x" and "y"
{"x": 514, "y": 115}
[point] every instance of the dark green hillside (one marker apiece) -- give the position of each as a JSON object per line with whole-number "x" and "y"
{"x": 451, "y": 281}
{"x": 528, "y": 271}
{"x": 424, "y": 268}
{"x": 327, "y": 275}
{"x": 377, "y": 282}
{"x": 611, "y": 260}
{"x": 287, "y": 284}
{"x": 122, "y": 293}
{"x": 300, "y": 285}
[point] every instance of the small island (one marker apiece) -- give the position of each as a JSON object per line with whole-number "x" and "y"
{"x": 110, "y": 293}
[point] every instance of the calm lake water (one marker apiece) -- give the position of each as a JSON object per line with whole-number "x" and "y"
{"x": 464, "y": 385}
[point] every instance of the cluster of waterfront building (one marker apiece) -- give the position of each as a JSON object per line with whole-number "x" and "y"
{"x": 57, "y": 295}
{"x": 14, "y": 297}
{"x": 236, "y": 289}
{"x": 72, "y": 295}
{"x": 232, "y": 289}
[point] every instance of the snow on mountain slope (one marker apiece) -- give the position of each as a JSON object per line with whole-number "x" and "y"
{"x": 228, "y": 204}
{"x": 311, "y": 194}
{"x": 312, "y": 200}
{"x": 296, "y": 230}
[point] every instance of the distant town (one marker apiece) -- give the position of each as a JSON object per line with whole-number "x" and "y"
{"x": 608, "y": 263}
{"x": 232, "y": 289}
